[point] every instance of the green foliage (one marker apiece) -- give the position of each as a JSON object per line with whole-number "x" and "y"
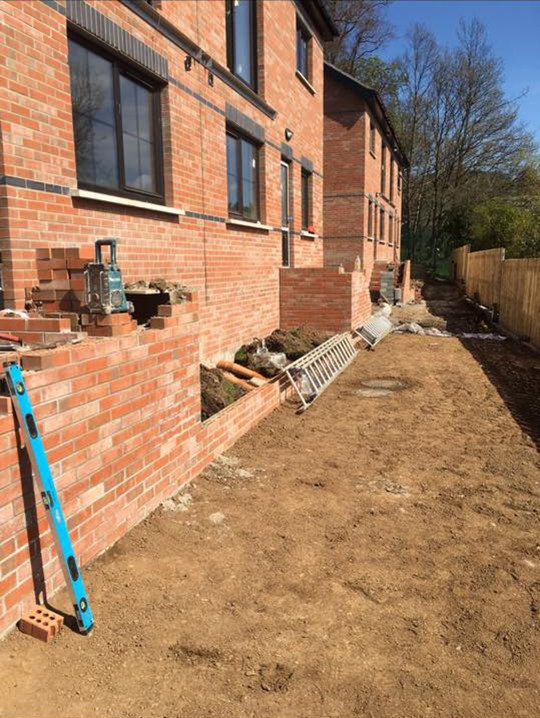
{"x": 500, "y": 223}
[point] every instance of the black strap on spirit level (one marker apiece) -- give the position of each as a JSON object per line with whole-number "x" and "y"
{"x": 45, "y": 483}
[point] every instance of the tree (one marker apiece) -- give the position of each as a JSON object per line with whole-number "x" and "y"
{"x": 458, "y": 130}
{"x": 499, "y": 223}
{"x": 363, "y": 28}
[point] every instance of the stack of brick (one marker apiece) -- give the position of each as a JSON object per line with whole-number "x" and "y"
{"x": 36, "y": 329}
{"x": 108, "y": 325}
{"x": 61, "y": 279}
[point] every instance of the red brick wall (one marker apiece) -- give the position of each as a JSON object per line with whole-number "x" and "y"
{"x": 120, "y": 421}
{"x": 230, "y": 266}
{"x": 351, "y": 174}
{"x": 325, "y": 299}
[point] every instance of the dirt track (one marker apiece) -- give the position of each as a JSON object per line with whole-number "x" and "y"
{"x": 372, "y": 557}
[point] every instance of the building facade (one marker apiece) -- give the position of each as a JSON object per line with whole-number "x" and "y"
{"x": 191, "y": 131}
{"x": 363, "y": 170}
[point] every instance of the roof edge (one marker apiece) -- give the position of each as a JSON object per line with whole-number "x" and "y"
{"x": 320, "y": 14}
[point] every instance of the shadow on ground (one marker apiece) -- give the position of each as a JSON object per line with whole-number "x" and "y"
{"x": 512, "y": 368}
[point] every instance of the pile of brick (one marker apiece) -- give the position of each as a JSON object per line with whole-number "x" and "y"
{"x": 60, "y": 294}
{"x": 36, "y": 329}
{"x": 107, "y": 325}
{"x": 61, "y": 279}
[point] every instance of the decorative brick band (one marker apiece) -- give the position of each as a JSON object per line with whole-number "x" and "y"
{"x": 89, "y": 19}
{"x": 32, "y": 184}
{"x": 244, "y": 123}
{"x": 207, "y": 217}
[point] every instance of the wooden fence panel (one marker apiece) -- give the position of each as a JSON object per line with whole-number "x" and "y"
{"x": 483, "y": 275}
{"x": 459, "y": 259}
{"x": 519, "y": 305}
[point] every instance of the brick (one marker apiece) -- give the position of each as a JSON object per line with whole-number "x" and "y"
{"x": 41, "y": 623}
{"x": 171, "y": 310}
{"x": 43, "y": 253}
{"x": 60, "y": 274}
{"x": 77, "y": 264}
{"x": 110, "y": 320}
{"x": 44, "y": 275}
{"x": 111, "y": 331}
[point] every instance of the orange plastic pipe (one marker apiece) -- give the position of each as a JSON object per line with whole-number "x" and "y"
{"x": 240, "y": 382}
{"x": 240, "y": 370}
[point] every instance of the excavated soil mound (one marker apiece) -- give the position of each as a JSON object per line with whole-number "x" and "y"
{"x": 293, "y": 343}
{"x": 216, "y": 392}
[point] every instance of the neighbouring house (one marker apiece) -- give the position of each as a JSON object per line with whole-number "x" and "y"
{"x": 192, "y": 132}
{"x": 363, "y": 181}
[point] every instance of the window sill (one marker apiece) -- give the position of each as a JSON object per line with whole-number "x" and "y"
{"x": 126, "y": 202}
{"x": 251, "y": 225}
{"x": 303, "y": 79}
{"x": 308, "y": 235}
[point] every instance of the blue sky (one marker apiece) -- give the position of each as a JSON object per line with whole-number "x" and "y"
{"x": 513, "y": 28}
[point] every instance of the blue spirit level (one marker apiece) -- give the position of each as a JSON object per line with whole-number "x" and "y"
{"x": 44, "y": 480}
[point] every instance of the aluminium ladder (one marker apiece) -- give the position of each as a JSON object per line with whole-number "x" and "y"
{"x": 45, "y": 483}
{"x": 374, "y": 330}
{"x": 318, "y": 368}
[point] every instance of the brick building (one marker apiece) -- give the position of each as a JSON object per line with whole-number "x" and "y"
{"x": 192, "y": 132}
{"x": 172, "y": 126}
{"x": 363, "y": 179}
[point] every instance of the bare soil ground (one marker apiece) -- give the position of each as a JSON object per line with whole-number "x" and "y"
{"x": 372, "y": 557}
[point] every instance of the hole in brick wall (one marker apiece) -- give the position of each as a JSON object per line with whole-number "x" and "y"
{"x": 148, "y": 295}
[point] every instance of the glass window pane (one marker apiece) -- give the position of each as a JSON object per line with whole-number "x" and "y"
{"x": 136, "y": 108}
{"x": 249, "y": 180}
{"x": 285, "y": 249}
{"x": 305, "y": 200}
{"x": 128, "y": 95}
{"x": 284, "y": 196}
{"x": 93, "y": 117}
{"x": 104, "y": 146}
{"x": 249, "y": 203}
{"x": 232, "y": 175}
{"x": 243, "y": 39}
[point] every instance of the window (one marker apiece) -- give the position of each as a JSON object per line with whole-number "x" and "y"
{"x": 374, "y": 221}
{"x": 390, "y": 229}
{"x": 371, "y": 137}
{"x": 285, "y": 233}
{"x": 383, "y": 168}
{"x": 242, "y": 177}
{"x": 302, "y": 49}
{"x": 397, "y": 231}
{"x": 391, "y": 179}
{"x": 381, "y": 228}
{"x": 399, "y": 181}
{"x": 241, "y": 40}
{"x": 306, "y": 199}
{"x": 370, "y": 219}
{"x": 116, "y": 123}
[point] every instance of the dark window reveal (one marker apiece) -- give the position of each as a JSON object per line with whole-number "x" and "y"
{"x": 241, "y": 40}
{"x": 383, "y": 168}
{"x": 370, "y": 219}
{"x": 302, "y": 49}
{"x": 242, "y": 177}
{"x": 381, "y": 229}
{"x": 116, "y": 126}
{"x": 371, "y": 137}
{"x": 306, "y": 199}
